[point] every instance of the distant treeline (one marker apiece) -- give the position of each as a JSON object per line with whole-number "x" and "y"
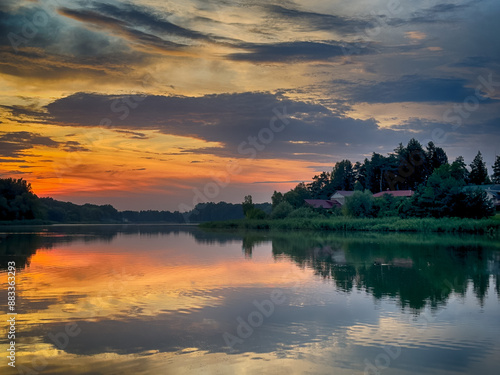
{"x": 19, "y": 203}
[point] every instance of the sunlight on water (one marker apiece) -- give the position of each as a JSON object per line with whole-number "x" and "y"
{"x": 177, "y": 300}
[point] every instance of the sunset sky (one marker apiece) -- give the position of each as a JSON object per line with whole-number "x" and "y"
{"x": 160, "y": 104}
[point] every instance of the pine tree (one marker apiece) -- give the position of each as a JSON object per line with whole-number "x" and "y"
{"x": 459, "y": 170}
{"x": 496, "y": 171}
{"x": 478, "y": 173}
{"x": 435, "y": 157}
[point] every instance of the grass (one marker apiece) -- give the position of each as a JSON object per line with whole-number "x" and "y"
{"x": 393, "y": 224}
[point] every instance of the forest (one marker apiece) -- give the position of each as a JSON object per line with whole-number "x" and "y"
{"x": 441, "y": 188}
{"x": 19, "y": 204}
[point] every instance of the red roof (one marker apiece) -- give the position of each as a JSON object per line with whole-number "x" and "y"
{"x": 322, "y": 203}
{"x": 395, "y": 193}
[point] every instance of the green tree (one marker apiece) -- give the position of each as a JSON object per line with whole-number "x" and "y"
{"x": 281, "y": 211}
{"x": 256, "y": 214}
{"x": 297, "y": 195}
{"x": 496, "y": 171}
{"x": 343, "y": 176}
{"x": 386, "y": 206}
{"x": 478, "y": 173}
{"x": 360, "y": 173}
{"x": 358, "y": 186}
{"x": 375, "y": 172}
{"x": 435, "y": 157}
{"x": 17, "y": 200}
{"x": 445, "y": 195}
{"x": 418, "y": 160}
{"x": 459, "y": 170}
{"x": 473, "y": 203}
{"x": 320, "y": 187}
{"x": 437, "y": 198}
{"x": 277, "y": 198}
{"x": 247, "y": 205}
{"x": 359, "y": 204}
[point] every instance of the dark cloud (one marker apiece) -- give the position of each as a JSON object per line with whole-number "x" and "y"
{"x": 438, "y": 13}
{"x": 74, "y": 146}
{"x": 56, "y": 50}
{"x": 132, "y": 135}
{"x": 311, "y": 131}
{"x": 14, "y": 144}
{"x": 12, "y": 161}
{"x": 141, "y": 16}
{"x": 414, "y": 88}
{"x": 310, "y": 21}
{"x": 23, "y": 111}
{"x": 121, "y": 28}
{"x": 296, "y": 51}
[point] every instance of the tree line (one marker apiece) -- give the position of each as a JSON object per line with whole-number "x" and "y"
{"x": 439, "y": 186}
{"x": 18, "y": 202}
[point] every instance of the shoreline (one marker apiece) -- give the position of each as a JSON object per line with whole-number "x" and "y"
{"x": 392, "y": 224}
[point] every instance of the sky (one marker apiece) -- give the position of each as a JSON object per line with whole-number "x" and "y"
{"x": 165, "y": 104}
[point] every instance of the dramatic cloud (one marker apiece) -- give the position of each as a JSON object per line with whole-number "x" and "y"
{"x": 436, "y": 14}
{"x": 414, "y": 88}
{"x": 15, "y": 144}
{"x": 309, "y": 21}
{"x": 309, "y": 131}
{"x": 122, "y": 29}
{"x": 295, "y": 52}
{"x": 141, "y": 16}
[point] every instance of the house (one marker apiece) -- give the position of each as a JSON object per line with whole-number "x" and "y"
{"x": 322, "y": 203}
{"x": 336, "y": 200}
{"x": 395, "y": 193}
{"x": 340, "y": 196}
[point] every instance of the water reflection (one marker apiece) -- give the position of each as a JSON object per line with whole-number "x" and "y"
{"x": 414, "y": 268}
{"x": 159, "y": 299}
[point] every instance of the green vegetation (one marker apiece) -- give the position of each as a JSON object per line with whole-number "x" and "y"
{"x": 19, "y": 206}
{"x": 444, "y": 195}
{"x": 359, "y": 204}
{"x": 496, "y": 171}
{"x": 442, "y": 200}
{"x": 17, "y": 201}
{"x": 440, "y": 190}
{"x": 391, "y": 224}
{"x": 409, "y": 167}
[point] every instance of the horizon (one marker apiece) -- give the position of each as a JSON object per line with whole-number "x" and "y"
{"x": 141, "y": 105}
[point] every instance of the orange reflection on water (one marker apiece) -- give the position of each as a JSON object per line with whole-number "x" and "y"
{"x": 96, "y": 284}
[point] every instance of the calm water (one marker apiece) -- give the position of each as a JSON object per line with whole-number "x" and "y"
{"x": 177, "y": 300}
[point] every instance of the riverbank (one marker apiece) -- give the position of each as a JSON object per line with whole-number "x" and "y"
{"x": 392, "y": 224}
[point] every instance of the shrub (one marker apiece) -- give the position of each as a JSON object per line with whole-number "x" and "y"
{"x": 359, "y": 204}
{"x": 305, "y": 212}
{"x": 281, "y": 211}
{"x": 256, "y": 213}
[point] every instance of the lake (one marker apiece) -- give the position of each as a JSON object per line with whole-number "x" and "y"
{"x": 166, "y": 299}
